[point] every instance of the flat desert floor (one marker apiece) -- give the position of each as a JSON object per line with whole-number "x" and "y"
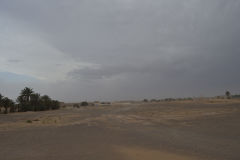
{"x": 187, "y": 130}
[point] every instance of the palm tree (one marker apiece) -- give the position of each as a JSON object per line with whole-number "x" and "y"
{"x": 46, "y": 101}
{"x": 228, "y": 94}
{"x": 1, "y": 100}
{"x": 26, "y": 93}
{"x": 6, "y": 104}
{"x": 34, "y": 98}
{"x": 12, "y": 106}
{"x": 21, "y": 103}
{"x": 28, "y": 101}
{"x": 35, "y": 101}
{"x": 24, "y": 99}
{"x": 56, "y": 104}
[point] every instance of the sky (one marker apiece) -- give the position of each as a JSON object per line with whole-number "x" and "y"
{"x": 75, "y": 50}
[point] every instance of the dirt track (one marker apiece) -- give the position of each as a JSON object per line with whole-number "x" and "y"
{"x": 174, "y": 130}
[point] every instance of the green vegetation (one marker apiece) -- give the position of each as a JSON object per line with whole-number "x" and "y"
{"x": 236, "y": 96}
{"x": 7, "y": 103}
{"x": 28, "y": 100}
{"x": 228, "y": 94}
{"x": 29, "y": 121}
{"x": 145, "y": 100}
{"x": 84, "y": 104}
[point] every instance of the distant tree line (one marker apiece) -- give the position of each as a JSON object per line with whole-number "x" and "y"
{"x": 76, "y": 105}
{"x": 28, "y": 100}
{"x": 168, "y": 99}
{"x": 229, "y": 95}
{"x": 236, "y": 96}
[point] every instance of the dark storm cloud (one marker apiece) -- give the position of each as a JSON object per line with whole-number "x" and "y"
{"x": 138, "y": 49}
{"x": 14, "y": 60}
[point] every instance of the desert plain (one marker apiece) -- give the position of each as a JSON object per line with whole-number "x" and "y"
{"x": 180, "y": 130}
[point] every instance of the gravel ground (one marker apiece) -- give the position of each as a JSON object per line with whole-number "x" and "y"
{"x": 173, "y": 130}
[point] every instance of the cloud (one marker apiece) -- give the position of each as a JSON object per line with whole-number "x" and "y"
{"x": 39, "y": 59}
{"x": 123, "y": 49}
{"x": 14, "y": 60}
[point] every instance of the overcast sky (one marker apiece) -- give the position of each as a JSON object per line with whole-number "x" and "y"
{"x": 76, "y": 50}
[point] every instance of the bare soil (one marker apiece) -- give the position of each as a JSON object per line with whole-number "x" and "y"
{"x": 189, "y": 130}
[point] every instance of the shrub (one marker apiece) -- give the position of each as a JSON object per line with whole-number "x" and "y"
{"x": 29, "y": 121}
{"x": 84, "y": 103}
{"x": 76, "y": 106}
{"x": 145, "y": 100}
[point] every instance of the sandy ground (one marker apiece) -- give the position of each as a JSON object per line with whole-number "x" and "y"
{"x": 189, "y": 130}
